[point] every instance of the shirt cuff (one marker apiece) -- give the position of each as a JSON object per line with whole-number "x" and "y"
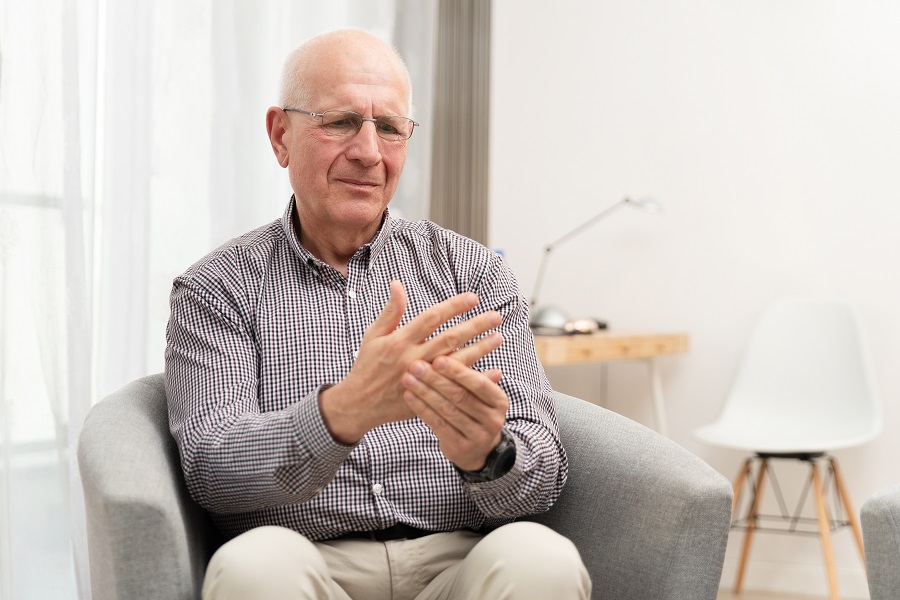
{"x": 319, "y": 454}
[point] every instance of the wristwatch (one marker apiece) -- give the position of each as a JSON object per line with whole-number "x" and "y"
{"x": 499, "y": 462}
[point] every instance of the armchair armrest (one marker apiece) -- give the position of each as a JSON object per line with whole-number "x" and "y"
{"x": 650, "y": 519}
{"x": 880, "y": 517}
{"x": 147, "y": 539}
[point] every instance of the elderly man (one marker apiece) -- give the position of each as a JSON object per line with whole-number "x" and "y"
{"x": 356, "y": 398}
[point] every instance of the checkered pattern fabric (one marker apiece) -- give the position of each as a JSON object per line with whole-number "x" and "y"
{"x": 260, "y": 326}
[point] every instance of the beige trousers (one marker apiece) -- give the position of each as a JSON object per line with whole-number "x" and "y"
{"x": 521, "y": 561}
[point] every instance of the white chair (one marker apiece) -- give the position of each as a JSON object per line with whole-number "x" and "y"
{"x": 804, "y": 387}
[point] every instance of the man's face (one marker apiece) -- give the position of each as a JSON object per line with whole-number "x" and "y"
{"x": 346, "y": 182}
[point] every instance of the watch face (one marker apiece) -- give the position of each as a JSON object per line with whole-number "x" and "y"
{"x": 505, "y": 459}
{"x": 499, "y": 462}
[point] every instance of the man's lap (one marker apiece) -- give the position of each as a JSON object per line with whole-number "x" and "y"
{"x": 516, "y": 559}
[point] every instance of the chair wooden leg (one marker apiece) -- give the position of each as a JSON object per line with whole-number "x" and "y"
{"x": 848, "y": 507}
{"x": 824, "y": 532}
{"x": 739, "y": 484}
{"x": 751, "y": 522}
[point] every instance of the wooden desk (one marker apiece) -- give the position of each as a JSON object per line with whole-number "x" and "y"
{"x": 608, "y": 346}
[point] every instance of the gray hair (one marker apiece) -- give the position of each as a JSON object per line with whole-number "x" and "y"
{"x": 295, "y": 87}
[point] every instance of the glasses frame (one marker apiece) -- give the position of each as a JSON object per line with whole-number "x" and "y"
{"x": 374, "y": 121}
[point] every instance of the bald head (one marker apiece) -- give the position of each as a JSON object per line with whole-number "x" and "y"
{"x": 318, "y": 58}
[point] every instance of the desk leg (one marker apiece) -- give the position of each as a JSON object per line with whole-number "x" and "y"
{"x": 659, "y": 407}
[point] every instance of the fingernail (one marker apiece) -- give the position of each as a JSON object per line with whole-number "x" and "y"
{"x": 496, "y": 339}
{"x": 495, "y": 319}
{"x": 440, "y": 363}
{"x": 471, "y": 299}
{"x": 417, "y": 368}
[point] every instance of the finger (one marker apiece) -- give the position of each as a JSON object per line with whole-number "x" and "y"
{"x": 477, "y": 383}
{"x": 426, "y": 323}
{"x": 424, "y": 410}
{"x": 495, "y": 375}
{"x": 464, "y": 442}
{"x": 389, "y": 318}
{"x": 472, "y": 353}
{"x": 459, "y": 335}
{"x": 448, "y": 398}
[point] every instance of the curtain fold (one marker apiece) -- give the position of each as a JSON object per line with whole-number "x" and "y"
{"x": 459, "y": 183}
{"x": 132, "y": 142}
{"x": 72, "y": 403}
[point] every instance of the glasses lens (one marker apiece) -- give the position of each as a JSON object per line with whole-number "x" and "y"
{"x": 394, "y": 128}
{"x": 341, "y": 122}
{"x": 347, "y": 122}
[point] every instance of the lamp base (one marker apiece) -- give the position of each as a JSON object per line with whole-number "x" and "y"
{"x": 549, "y": 317}
{"x": 550, "y": 320}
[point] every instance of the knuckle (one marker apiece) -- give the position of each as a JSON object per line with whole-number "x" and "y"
{"x": 450, "y": 340}
{"x": 432, "y": 318}
{"x": 458, "y": 398}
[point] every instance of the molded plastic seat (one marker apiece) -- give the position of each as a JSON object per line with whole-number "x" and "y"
{"x": 804, "y": 384}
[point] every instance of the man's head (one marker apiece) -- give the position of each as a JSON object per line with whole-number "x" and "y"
{"x": 342, "y": 183}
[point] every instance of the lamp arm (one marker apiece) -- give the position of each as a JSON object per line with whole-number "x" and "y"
{"x": 540, "y": 275}
{"x": 549, "y": 247}
{"x": 604, "y": 213}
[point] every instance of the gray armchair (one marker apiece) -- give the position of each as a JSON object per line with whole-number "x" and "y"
{"x": 650, "y": 519}
{"x": 880, "y": 517}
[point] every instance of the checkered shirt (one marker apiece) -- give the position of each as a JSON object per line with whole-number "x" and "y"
{"x": 260, "y": 326}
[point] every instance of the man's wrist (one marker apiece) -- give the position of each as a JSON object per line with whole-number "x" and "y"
{"x": 499, "y": 461}
{"x": 339, "y": 421}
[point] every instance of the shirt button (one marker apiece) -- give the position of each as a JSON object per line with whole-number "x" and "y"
{"x": 377, "y": 489}
{"x": 355, "y": 354}
{"x": 351, "y": 293}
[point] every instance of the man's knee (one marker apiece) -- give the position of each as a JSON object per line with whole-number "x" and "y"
{"x": 266, "y": 562}
{"x": 528, "y": 556}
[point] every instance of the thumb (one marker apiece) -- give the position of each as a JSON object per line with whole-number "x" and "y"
{"x": 389, "y": 318}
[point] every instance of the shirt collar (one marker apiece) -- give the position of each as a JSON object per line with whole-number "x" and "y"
{"x": 374, "y": 247}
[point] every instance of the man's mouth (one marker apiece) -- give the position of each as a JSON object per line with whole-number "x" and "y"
{"x": 359, "y": 182}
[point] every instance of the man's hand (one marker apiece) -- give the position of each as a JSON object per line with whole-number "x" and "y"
{"x": 465, "y": 408}
{"x": 372, "y": 392}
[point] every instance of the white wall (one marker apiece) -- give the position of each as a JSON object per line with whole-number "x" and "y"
{"x": 770, "y": 131}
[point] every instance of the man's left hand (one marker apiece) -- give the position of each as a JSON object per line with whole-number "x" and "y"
{"x": 465, "y": 408}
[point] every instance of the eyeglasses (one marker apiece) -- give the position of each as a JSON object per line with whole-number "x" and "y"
{"x": 347, "y": 122}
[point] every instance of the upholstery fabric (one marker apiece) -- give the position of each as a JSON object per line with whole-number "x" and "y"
{"x": 880, "y": 517}
{"x": 650, "y": 519}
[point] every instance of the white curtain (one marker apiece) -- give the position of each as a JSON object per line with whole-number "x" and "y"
{"x": 132, "y": 142}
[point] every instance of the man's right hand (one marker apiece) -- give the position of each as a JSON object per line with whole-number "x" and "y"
{"x": 372, "y": 393}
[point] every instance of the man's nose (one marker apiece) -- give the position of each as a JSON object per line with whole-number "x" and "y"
{"x": 364, "y": 146}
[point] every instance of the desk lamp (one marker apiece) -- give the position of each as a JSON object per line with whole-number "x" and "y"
{"x": 552, "y": 319}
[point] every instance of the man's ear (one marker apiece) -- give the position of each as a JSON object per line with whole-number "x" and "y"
{"x": 278, "y": 126}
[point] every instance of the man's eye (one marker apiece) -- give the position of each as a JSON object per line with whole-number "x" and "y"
{"x": 387, "y": 127}
{"x": 342, "y": 123}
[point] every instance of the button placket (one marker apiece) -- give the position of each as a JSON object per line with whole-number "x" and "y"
{"x": 354, "y": 306}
